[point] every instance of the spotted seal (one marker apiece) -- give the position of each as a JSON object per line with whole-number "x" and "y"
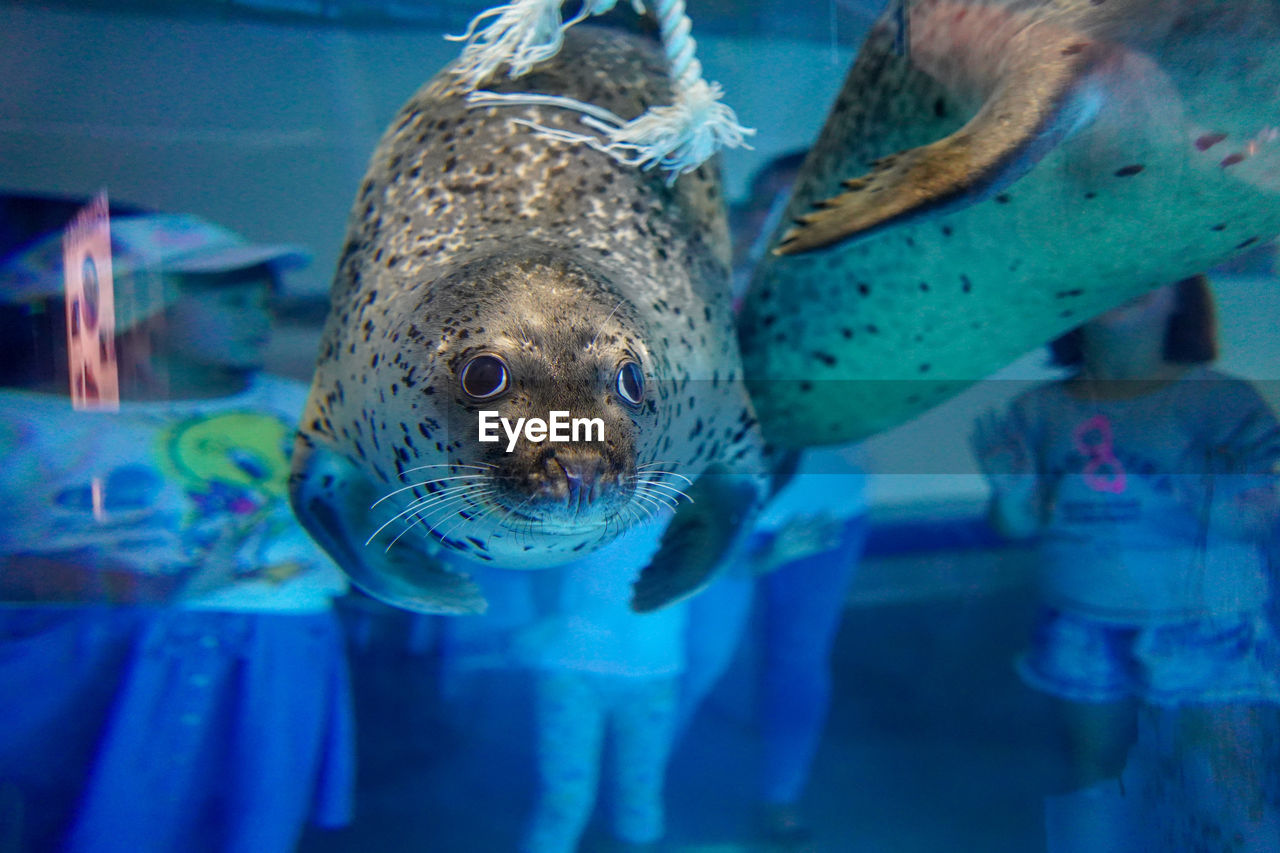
{"x": 488, "y": 269}
{"x": 994, "y": 173}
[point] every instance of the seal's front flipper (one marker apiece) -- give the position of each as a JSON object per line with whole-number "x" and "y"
{"x": 1040, "y": 101}
{"x": 327, "y": 491}
{"x": 698, "y": 540}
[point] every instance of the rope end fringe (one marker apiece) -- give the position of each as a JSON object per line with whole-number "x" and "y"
{"x": 677, "y": 138}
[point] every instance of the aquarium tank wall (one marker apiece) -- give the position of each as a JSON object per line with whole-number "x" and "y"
{"x": 933, "y": 504}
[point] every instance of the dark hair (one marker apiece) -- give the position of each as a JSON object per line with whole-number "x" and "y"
{"x": 1189, "y": 338}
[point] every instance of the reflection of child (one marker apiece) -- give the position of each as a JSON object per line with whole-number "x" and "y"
{"x": 603, "y": 672}
{"x": 797, "y": 565}
{"x": 1148, "y": 477}
{"x": 229, "y": 723}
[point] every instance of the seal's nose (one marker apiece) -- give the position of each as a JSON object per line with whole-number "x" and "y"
{"x": 581, "y": 475}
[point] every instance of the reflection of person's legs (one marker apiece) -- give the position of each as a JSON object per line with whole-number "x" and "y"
{"x": 159, "y": 763}
{"x": 803, "y": 602}
{"x": 293, "y": 741}
{"x": 570, "y": 729}
{"x": 717, "y": 616}
{"x": 231, "y": 729}
{"x": 1099, "y": 736}
{"x": 1225, "y": 752}
{"x": 1087, "y": 666}
{"x": 642, "y": 725}
{"x": 1217, "y": 678}
{"x": 1091, "y": 816}
{"x": 87, "y": 648}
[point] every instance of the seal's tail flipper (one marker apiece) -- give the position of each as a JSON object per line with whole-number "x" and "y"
{"x": 1039, "y": 102}
{"x": 698, "y": 540}
{"x": 326, "y": 490}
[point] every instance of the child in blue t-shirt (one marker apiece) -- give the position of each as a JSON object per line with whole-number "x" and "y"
{"x": 603, "y": 675}
{"x": 1148, "y": 479}
{"x": 173, "y": 670}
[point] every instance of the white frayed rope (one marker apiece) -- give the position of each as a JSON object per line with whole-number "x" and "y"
{"x": 678, "y": 138}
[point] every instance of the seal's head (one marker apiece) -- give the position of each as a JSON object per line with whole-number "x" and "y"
{"x": 520, "y": 397}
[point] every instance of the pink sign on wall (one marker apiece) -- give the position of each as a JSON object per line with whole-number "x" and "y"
{"x": 90, "y": 299}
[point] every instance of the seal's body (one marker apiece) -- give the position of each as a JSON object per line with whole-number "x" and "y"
{"x": 1017, "y": 166}
{"x": 488, "y": 269}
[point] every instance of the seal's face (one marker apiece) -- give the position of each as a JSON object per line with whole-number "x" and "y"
{"x": 588, "y": 392}
{"x": 493, "y": 273}
{"x": 549, "y": 390}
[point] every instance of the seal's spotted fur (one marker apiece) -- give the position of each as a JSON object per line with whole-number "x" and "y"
{"x": 1025, "y": 165}
{"x": 469, "y": 235}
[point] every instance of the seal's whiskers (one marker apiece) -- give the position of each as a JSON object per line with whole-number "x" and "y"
{"x": 453, "y": 510}
{"x": 449, "y": 507}
{"x": 605, "y": 322}
{"x": 647, "y": 472}
{"x": 654, "y": 484}
{"x": 426, "y": 484}
{"x": 650, "y": 503}
{"x": 463, "y": 518}
{"x": 420, "y": 505}
{"x": 482, "y": 467}
{"x": 508, "y": 514}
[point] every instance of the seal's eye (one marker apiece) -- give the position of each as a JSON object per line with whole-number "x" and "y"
{"x": 484, "y": 376}
{"x": 631, "y": 383}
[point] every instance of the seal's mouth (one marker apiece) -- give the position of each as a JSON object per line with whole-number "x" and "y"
{"x": 580, "y": 481}
{"x": 570, "y": 487}
{"x": 565, "y": 494}
{"x": 577, "y": 493}
{"x": 513, "y": 515}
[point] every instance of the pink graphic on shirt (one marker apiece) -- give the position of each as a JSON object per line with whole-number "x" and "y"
{"x": 1095, "y": 440}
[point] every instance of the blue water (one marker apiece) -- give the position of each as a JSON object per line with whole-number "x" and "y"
{"x": 932, "y": 744}
{"x": 278, "y": 709}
